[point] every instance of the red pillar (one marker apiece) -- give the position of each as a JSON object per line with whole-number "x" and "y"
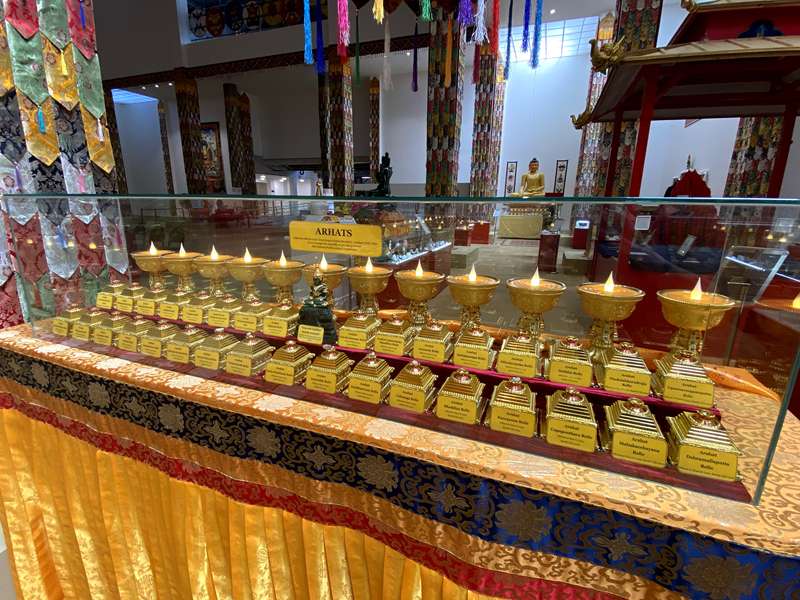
{"x": 611, "y": 175}
{"x": 782, "y": 155}
{"x": 645, "y": 118}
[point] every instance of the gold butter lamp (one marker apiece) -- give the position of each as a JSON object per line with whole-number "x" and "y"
{"x": 418, "y": 287}
{"x": 332, "y": 274}
{"x": 368, "y": 281}
{"x": 283, "y": 274}
{"x": 152, "y": 262}
{"x": 693, "y": 313}
{"x": 213, "y": 268}
{"x": 607, "y": 304}
{"x": 471, "y": 292}
{"x": 247, "y": 270}
{"x": 181, "y": 265}
{"x": 533, "y": 297}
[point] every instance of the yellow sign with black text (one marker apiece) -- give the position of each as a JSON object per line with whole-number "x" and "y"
{"x": 336, "y": 238}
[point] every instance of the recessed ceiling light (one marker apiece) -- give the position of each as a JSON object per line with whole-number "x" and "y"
{"x": 408, "y": 53}
{"x": 144, "y": 87}
{"x": 156, "y": 85}
{"x": 301, "y": 180}
{"x": 552, "y": 11}
{"x": 170, "y": 84}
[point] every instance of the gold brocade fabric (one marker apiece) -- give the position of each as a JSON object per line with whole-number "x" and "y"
{"x": 100, "y": 150}
{"x": 42, "y": 142}
{"x": 59, "y": 69}
{"x": 6, "y": 74}
{"x": 83, "y": 523}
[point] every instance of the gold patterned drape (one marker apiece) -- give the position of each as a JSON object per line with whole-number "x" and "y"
{"x": 84, "y": 523}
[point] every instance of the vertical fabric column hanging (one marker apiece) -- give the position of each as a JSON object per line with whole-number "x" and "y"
{"x": 324, "y": 127}
{"x": 374, "y": 126}
{"x": 248, "y": 162}
{"x": 188, "y": 102}
{"x": 121, "y": 178}
{"x": 488, "y": 124}
{"x": 753, "y": 157}
{"x": 234, "y": 128}
{"x": 340, "y": 109}
{"x": 162, "y": 123}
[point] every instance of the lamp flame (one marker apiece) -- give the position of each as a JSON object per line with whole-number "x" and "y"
{"x": 214, "y": 253}
{"x": 182, "y": 251}
{"x": 796, "y": 302}
{"x": 153, "y": 251}
{"x": 282, "y": 261}
{"x": 697, "y": 292}
{"x": 473, "y": 276}
{"x": 323, "y": 264}
{"x": 368, "y": 267}
{"x": 608, "y": 286}
{"x": 419, "y": 272}
{"x": 247, "y": 256}
{"x": 535, "y": 281}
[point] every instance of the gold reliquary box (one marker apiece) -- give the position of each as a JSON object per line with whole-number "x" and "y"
{"x": 289, "y": 364}
{"x": 632, "y": 433}
{"x": 569, "y": 363}
{"x": 212, "y": 352}
{"x": 473, "y": 348}
{"x": 570, "y": 421}
{"x": 194, "y": 311}
{"x": 249, "y": 356}
{"x": 129, "y": 336}
{"x": 512, "y": 408}
{"x": 62, "y": 324}
{"x": 434, "y": 342}
{"x": 251, "y": 316}
{"x": 180, "y": 348}
{"x": 414, "y": 388}
{"x": 370, "y": 379}
{"x": 82, "y": 328}
{"x": 625, "y": 371}
{"x": 103, "y": 333}
{"x": 125, "y": 300}
{"x": 699, "y": 445}
{"x": 681, "y": 378}
{"x": 281, "y": 320}
{"x": 221, "y": 313}
{"x": 394, "y": 336}
{"x": 519, "y": 355}
{"x": 153, "y": 340}
{"x": 359, "y": 331}
{"x": 460, "y": 398}
{"x": 329, "y": 372}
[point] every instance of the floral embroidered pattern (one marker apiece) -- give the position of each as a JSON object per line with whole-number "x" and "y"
{"x": 379, "y": 472}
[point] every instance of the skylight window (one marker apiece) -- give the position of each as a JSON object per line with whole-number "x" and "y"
{"x": 559, "y": 38}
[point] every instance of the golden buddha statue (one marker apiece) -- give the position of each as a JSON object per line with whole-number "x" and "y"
{"x": 532, "y": 182}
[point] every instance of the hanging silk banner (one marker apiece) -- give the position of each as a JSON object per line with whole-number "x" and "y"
{"x": 26, "y": 64}
{"x": 80, "y": 19}
{"x": 100, "y": 150}
{"x": 91, "y": 252}
{"x": 12, "y": 139}
{"x": 71, "y": 137}
{"x": 39, "y": 126}
{"x": 90, "y": 84}
{"x": 59, "y": 70}
{"x": 6, "y": 74}
{"x": 23, "y": 16}
{"x": 53, "y": 22}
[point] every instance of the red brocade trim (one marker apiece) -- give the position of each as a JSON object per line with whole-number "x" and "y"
{"x": 484, "y": 581}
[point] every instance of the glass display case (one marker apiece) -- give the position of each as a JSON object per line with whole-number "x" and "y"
{"x": 661, "y": 342}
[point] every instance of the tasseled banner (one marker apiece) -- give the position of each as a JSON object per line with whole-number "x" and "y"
{"x": 308, "y": 54}
{"x": 358, "y": 53}
{"x": 387, "y": 49}
{"x": 526, "y": 25}
{"x": 426, "y": 10}
{"x": 508, "y": 39}
{"x": 101, "y": 134}
{"x": 448, "y": 57}
{"x": 344, "y": 30}
{"x": 64, "y": 70}
{"x": 83, "y": 15}
{"x": 481, "y": 35}
{"x": 495, "y": 33}
{"x": 40, "y": 120}
{"x": 414, "y": 80}
{"x": 18, "y": 177}
{"x": 377, "y": 10}
{"x": 465, "y": 12}
{"x": 476, "y": 65}
{"x": 537, "y": 35}
{"x": 320, "y": 43}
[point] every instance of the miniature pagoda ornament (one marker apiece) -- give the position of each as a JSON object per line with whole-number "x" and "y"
{"x": 316, "y": 311}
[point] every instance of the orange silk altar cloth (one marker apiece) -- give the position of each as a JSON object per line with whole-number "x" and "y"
{"x": 120, "y": 480}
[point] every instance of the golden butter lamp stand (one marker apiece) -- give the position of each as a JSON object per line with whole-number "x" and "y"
{"x": 418, "y": 287}
{"x": 332, "y": 274}
{"x": 247, "y": 270}
{"x": 213, "y": 268}
{"x": 283, "y": 274}
{"x": 471, "y": 292}
{"x": 152, "y": 262}
{"x": 368, "y": 281}
{"x": 533, "y": 297}
{"x": 181, "y": 264}
{"x": 607, "y": 304}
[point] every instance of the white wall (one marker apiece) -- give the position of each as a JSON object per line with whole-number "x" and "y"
{"x": 140, "y": 137}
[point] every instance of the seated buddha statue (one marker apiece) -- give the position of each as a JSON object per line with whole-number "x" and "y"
{"x": 532, "y": 182}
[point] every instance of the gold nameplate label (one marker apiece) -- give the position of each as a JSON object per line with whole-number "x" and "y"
{"x": 353, "y": 339}
{"x": 310, "y": 334}
{"x": 208, "y": 359}
{"x": 579, "y": 436}
{"x": 456, "y": 409}
{"x": 280, "y": 374}
{"x": 627, "y": 382}
{"x": 390, "y": 344}
{"x": 275, "y": 327}
{"x": 366, "y": 391}
{"x": 707, "y": 462}
{"x": 245, "y": 322}
{"x": 123, "y": 303}
{"x": 697, "y": 393}
{"x": 639, "y": 449}
{"x": 239, "y": 365}
{"x": 515, "y": 364}
{"x": 167, "y": 310}
{"x": 218, "y": 317}
{"x": 321, "y": 382}
{"x": 470, "y": 356}
{"x": 128, "y": 342}
{"x": 146, "y": 307}
{"x": 509, "y": 420}
{"x": 192, "y": 314}
{"x": 571, "y": 373}
{"x": 336, "y": 238}
{"x": 103, "y": 336}
{"x": 105, "y": 300}
{"x": 177, "y": 353}
{"x": 60, "y": 326}
{"x": 151, "y": 347}
{"x": 81, "y": 331}
{"x": 407, "y": 398}
{"x": 428, "y": 350}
